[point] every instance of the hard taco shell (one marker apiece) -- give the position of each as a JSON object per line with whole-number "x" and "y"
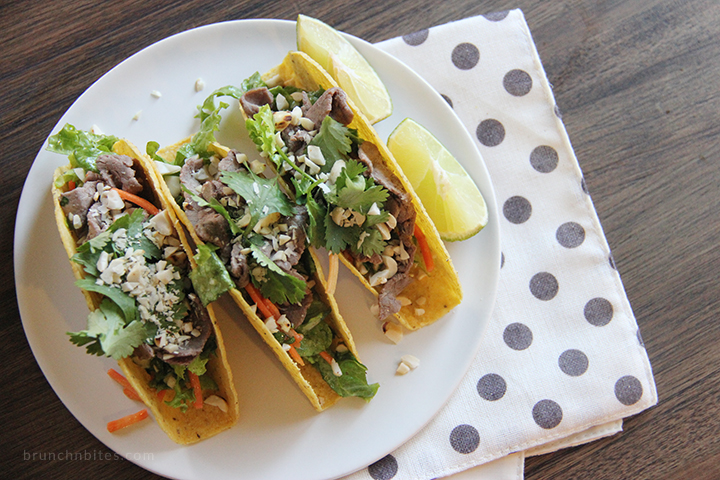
{"x": 193, "y": 425}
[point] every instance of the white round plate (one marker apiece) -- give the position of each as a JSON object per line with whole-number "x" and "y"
{"x": 279, "y": 435}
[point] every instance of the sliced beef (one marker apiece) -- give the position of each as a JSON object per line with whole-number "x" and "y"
{"x": 369, "y": 155}
{"x": 210, "y": 226}
{"x": 332, "y": 102}
{"x": 116, "y": 171}
{"x": 79, "y": 200}
{"x": 239, "y": 266}
{"x": 252, "y": 100}
{"x": 387, "y": 300}
{"x": 231, "y": 163}
{"x": 94, "y": 221}
{"x": 296, "y": 138}
{"x": 188, "y": 171}
{"x": 192, "y": 348}
{"x": 296, "y": 231}
{"x": 212, "y": 189}
{"x": 296, "y": 313}
{"x": 143, "y": 352}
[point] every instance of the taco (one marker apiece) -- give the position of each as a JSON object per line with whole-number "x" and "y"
{"x": 259, "y": 234}
{"x": 132, "y": 262}
{"x": 360, "y": 204}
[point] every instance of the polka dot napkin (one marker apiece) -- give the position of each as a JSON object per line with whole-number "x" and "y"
{"x": 562, "y": 360}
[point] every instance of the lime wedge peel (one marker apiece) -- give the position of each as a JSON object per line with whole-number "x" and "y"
{"x": 346, "y": 65}
{"x": 450, "y": 196}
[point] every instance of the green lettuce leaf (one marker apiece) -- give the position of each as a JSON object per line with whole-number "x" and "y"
{"x": 210, "y": 279}
{"x": 81, "y": 147}
{"x": 316, "y": 339}
{"x": 352, "y": 382}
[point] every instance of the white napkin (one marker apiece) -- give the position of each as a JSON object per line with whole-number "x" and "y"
{"x": 562, "y": 360}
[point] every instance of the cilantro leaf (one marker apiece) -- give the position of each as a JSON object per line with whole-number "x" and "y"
{"x": 278, "y": 285}
{"x": 136, "y": 238}
{"x": 317, "y": 213}
{"x": 81, "y": 147}
{"x": 353, "y": 190}
{"x": 262, "y": 196}
{"x": 335, "y": 141}
{"x": 108, "y": 332}
{"x": 124, "y": 301}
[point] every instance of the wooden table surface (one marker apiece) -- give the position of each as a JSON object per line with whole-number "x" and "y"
{"x": 638, "y": 86}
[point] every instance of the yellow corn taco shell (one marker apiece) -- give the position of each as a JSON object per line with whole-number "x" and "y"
{"x": 193, "y": 425}
{"x": 307, "y": 377}
{"x": 439, "y": 291}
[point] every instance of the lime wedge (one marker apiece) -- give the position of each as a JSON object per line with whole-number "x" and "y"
{"x": 346, "y": 65}
{"x": 447, "y": 192}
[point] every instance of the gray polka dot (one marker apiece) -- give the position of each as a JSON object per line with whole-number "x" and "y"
{"x": 570, "y": 235}
{"x": 598, "y": 312}
{"x": 491, "y": 387}
{"x": 573, "y": 362}
{"x": 416, "y": 38}
{"x": 611, "y": 259}
{"x": 517, "y": 336}
{"x": 447, "y": 99}
{"x": 583, "y": 185}
{"x": 557, "y": 111}
{"x": 544, "y": 159}
{"x": 496, "y": 16}
{"x": 517, "y": 83}
{"x": 502, "y": 259}
{"x": 490, "y": 132}
{"x": 464, "y": 439}
{"x": 544, "y": 286}
{"x": 465, "y": 56}
{"x": 628, "y": 390}
{"x": 517, "y": 209}
{"x": 384, "y": 469}
{"x": 547, "y": 414}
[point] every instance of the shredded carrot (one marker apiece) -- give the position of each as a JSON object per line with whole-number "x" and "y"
{"x": 274, "y": 310}
{"x": 258, "y": 299}
{"x": 140, "y": 202}
{"x": 332, "y": 273}
{"x": 326, "y": 356}
{"x": 71, "y": 185}
{"x": 296, "y": 356}
{"x": 424, "y": 249}
{"x": 127, "y": 420}
{"x": 127, "y": 388}
{"x": 161, "y": 394}
{"x": 293, "y": 352}
{"x": 197, "y": 389}
{"x": 131, "y": 394}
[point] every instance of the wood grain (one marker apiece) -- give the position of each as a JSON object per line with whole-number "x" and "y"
{"x": 637, "y": 84}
